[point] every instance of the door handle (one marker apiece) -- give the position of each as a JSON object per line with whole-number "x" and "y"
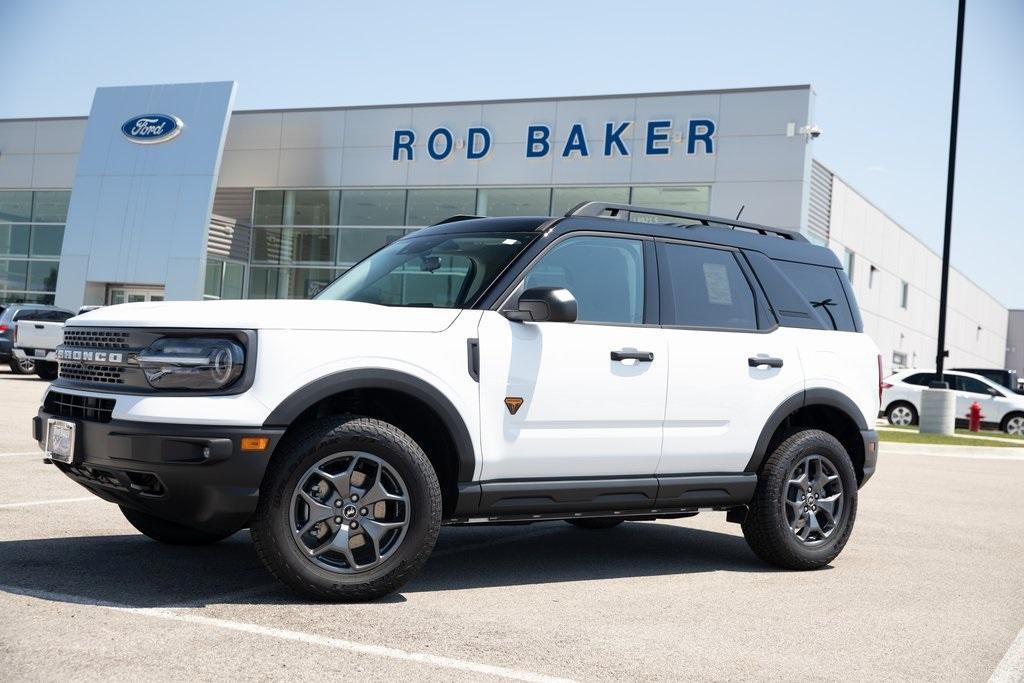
{"x": 756, "y": 362}
{"x": 641, "y": 356}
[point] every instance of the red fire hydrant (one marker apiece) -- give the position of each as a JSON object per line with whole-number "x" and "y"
{"x": 974, "y": 417}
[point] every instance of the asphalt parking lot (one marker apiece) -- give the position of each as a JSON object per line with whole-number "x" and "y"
{"x": 930, "y": 587}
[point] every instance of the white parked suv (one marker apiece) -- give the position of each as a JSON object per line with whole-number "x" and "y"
{"x": 1000, "y": 408}
{"x": 589, "y": 368}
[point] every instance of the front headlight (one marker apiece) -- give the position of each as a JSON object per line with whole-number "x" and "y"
{"x": 192, "y": 363}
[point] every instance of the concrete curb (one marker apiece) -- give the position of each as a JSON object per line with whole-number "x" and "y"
{"x": 985, "y": 452}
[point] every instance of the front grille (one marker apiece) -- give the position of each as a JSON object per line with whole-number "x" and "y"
{"x": 96, "y": 338}
{"x": 77, "y": 407}
{"x": 101, "y": 374}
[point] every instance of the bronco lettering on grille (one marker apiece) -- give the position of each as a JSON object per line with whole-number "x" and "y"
{"x": 109, "y": 357}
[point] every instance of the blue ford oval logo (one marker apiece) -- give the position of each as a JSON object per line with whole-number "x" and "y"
{"x": 149, "y": 129}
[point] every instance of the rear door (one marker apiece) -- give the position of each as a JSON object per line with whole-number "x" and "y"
{"x": 730, "y": 365}
{"x": 970, "y": 390}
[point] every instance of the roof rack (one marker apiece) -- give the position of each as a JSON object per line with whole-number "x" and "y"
{"x": 596, "y": 209}
{"x": 456, "y": 218}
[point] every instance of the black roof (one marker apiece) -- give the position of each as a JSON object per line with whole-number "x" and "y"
{"x": 772, "y": 246}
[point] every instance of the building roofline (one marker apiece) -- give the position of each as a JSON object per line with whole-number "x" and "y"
{"x": 907, "y": 230}
{"x": 451, "y": 103}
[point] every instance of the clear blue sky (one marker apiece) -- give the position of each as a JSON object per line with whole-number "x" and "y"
{"x": 882, "y": 71}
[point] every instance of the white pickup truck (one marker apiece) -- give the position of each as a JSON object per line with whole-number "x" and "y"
{"x": 37, "y": 338}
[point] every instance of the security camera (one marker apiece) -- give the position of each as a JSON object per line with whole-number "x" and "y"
{"x": 812, "y": 132}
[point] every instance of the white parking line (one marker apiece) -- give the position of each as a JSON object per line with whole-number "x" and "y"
{"x": 54, "y": 501}
{"x": 172, "y": 614}
{"x": 22, "y": 455}
{"x": 1011, "y": 667}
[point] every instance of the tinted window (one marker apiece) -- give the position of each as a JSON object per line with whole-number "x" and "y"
{"x": 824, "y": 291}
{"x": 705, "y": 288}
{"x": 975, "y": 386}
{"x": 605, "y": 274}
{"x": 921, "y": 379}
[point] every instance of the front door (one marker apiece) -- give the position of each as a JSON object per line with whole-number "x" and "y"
{"x": 131, "y": 295}
{"x": 553, "y": 402}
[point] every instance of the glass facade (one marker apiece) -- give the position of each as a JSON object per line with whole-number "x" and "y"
{"x": 31, "y": 235}
{"x": 303, "y": 239}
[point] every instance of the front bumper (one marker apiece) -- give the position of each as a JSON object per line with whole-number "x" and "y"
{"x": 193, "y": 475}
{"x": 870, "y": 438}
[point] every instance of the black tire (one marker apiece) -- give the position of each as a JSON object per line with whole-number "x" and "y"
{"x": 309, "y": 444}
{"x": 46, "y": 370}
{"x": 169, "y": 532}
{"x": 26, "y": 367}
{"x": 901, "y": 404}
{"x": 595, "y": 522}
{"x": 766, "y": 527}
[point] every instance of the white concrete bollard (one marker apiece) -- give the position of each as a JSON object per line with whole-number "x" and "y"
{"x": 938, "y": 411}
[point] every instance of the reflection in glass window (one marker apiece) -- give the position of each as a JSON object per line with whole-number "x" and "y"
{"x": 373, "y": 207}
{"x": 269, "y": 208}
{"x": 824, "y": 291}
{"x": 214, "y": 272}
{"x": 707, "y": 288}
{"x": 294, "y": 245}
{"x": 263, "y": 283}
{"x": 42, "y": 276}
{"x": 13, "y": 274}
{"x": 605, "y": 274}
{"x": 14, "y": 240}
{"x": 427, "y": 207}
{"x": 50, "y": 206}
{"x": 234, "y": 278}
{"x": 530, "y": 201}
{"x": 47, "y": 240}
{"x": 16, "y": 206}
{"x": 564, "y": 198}
{"x": 288, "y": 283}
{"x": 691, "y": 199}
{"x": 310, "y": 207}
{"x": 357, "y": 244}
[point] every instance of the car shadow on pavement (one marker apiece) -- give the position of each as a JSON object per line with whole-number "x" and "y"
{"x": 133, "y": 571}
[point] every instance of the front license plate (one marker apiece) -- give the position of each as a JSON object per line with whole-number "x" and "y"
{"x": 40, "y": 353}
{"x": 60, "y": 440}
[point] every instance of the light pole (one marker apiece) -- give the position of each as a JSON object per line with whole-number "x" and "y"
{"x": 938, "y": 403}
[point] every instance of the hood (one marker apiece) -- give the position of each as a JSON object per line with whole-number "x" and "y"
{"x": 271, "y": 314}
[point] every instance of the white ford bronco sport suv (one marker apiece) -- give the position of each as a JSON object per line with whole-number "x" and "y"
{"x": 618, "y": 363}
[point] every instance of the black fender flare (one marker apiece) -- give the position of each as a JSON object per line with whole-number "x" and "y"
{"x": 378, "y": 378}
{"x": 808, "y": 397}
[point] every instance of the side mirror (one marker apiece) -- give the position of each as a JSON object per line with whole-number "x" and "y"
{"x": 993, "y": 391}
{"x": 544, "y": 305}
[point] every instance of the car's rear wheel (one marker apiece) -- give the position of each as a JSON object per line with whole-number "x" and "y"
{"x": 901, "y": 414}
{"x": 22, "y": 367}
{"x": 349, "y": 509}
{"x": 168, "y": 532}
{"x": 1014, "y": 424}
{"x": 595, "y": 522}
{"x": 805, "y": 503}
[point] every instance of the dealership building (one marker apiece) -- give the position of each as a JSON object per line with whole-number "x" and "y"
{"x": 166, "y": 192}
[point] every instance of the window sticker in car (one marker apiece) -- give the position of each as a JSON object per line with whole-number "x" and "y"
{"x": 716, "y": 279}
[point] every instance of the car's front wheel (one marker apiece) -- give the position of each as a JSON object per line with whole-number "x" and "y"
{"x": 349, "y": 509}
{"x": 1014, "y": 424}
{"x": 805, "y": 503}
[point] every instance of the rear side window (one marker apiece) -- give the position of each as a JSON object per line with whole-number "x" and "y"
{"x": 822, "y": 286}
{"x": 705, "y": 288}
{"x": 921, "y": 379}
{"x": 969, "y": 384}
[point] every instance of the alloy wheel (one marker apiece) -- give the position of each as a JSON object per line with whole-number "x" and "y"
{"x": 813, "y": 503}
{"x": 349, "y": 512}
{"x": 27, "y": 366}
{"x": 1015, "y": 425}
{"x": 901, "y": 416}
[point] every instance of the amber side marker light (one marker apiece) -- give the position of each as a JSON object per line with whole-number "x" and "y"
{"x": 255, "y": 443}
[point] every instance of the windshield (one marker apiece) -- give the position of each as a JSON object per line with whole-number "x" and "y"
{"x": 433, "y": 271}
